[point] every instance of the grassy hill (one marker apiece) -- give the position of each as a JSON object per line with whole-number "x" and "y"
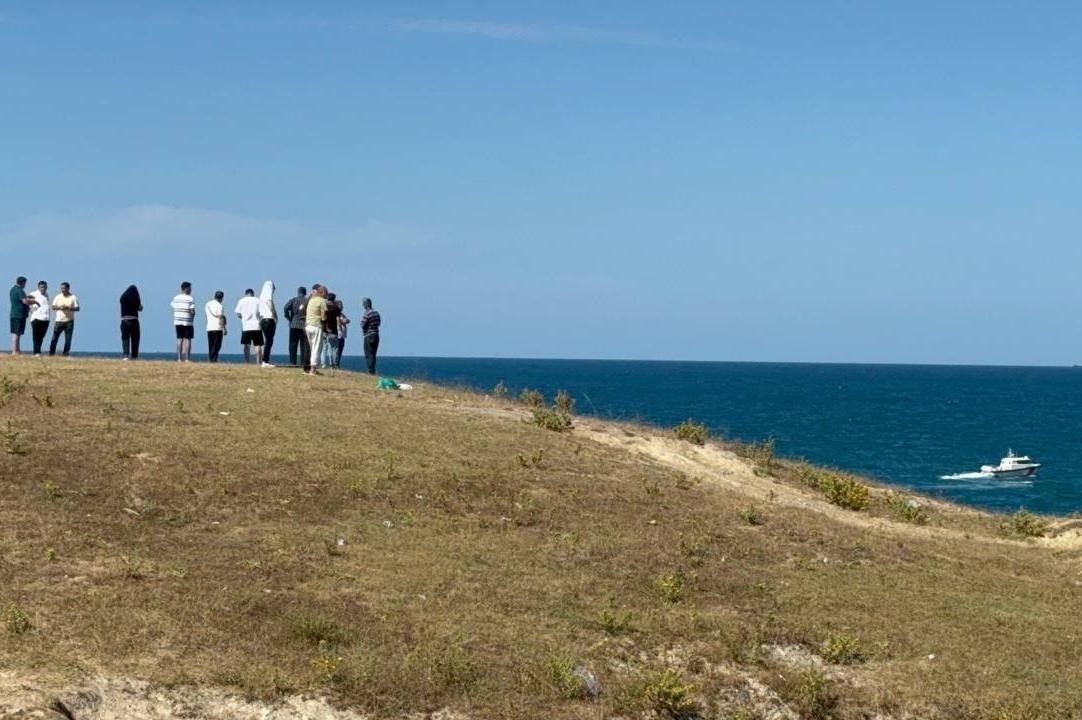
{"x": 231, "y": 540}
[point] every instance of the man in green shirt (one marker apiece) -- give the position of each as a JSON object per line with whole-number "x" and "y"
{"x": 20, "y": 311}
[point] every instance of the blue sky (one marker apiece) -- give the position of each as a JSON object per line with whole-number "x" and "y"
{"x": 835, "y": 181}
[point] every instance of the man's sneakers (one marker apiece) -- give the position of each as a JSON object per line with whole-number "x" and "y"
{"x": 266, "y": 364}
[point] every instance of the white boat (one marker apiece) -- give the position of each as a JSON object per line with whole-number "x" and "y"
{"x": 1013, "y": 466}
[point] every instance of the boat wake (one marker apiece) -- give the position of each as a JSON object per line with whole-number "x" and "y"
{"x": 968, "y": 476}
{"x": 983, "y": 481}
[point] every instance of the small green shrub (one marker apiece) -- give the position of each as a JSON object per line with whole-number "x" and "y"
{"x": 7, "y": 386}
{"x": 695, "y": 547}
{"x": 446, "y": 664}
{"x": 906, "y": 509}
{"x": 567, "y": 677}
{"x": 10, "y": 438}
{"x": 15, "y": 619}
{"x": 390, "y": 473}
{"x": 751, "y": 516}
{"x": 667, "y": 693}
{"x": 51, "y": 489}
{"x": 842, "y": 649}
{"x": 564, "y": 402}
{"x": 694, "y": 432}
{"x": 652, "y": 487}
{"x": 808, "y": 475}
{"x": 762, "y": 454}
{"x": 670, "y": 587}
{"x": 531, "y": 398}
{"x": 813, "y": 696}
{"x": 1024, "y": 524}
{"x": 534, "y": 459}
{"x": 500, "y": 391}
{"x": 317, "y": 629}
{"x": 844, "y": 491}
{"x": 328, "y": 663}
{"x": 551, "y": 419}
{"x": 614, "y": 623}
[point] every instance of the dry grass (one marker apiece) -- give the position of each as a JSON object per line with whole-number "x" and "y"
{"x": 392, "y": 551}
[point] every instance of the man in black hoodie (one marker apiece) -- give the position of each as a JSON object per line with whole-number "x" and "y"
{"x": 130, "y": 307}
{"x": 298, "y": 340}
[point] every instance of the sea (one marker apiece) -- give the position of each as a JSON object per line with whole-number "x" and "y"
{"x": 927, "y": 428}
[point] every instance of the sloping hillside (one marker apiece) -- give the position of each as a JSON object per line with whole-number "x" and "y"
{"x": 230, "y": 542}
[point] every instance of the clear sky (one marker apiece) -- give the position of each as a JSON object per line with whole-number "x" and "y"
{"x": 795, "y": 181}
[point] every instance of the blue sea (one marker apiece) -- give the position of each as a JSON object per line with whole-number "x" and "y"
{"x": 908, "y": 425}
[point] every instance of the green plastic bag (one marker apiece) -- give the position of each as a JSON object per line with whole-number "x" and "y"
{"x": 386, "y": 383}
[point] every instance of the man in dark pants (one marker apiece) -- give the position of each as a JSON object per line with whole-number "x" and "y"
{"x": 41, "y": 315}
{"x": 65, "y": 305}
{"x": 294, "y": 315}
{"x": 370, "y": 328}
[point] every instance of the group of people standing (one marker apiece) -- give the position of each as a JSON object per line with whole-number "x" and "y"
{"x": 318, "y": 324}
{"x": 39, "y": 310}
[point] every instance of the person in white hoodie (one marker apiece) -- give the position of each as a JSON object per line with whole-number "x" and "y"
{"x": 248, "y": 311}
{"x": 268, "y": 320}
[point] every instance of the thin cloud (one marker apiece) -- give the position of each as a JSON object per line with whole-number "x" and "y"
{"x": 552, "y": 33}
{"x": 147, "y": 230}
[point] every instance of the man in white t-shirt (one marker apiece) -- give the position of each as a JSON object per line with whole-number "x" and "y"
{"x": 251, "y": 333}
{"x": 215, "y": 325}
{"x": 41, "y": 315}
{"x": 184, "y": 321}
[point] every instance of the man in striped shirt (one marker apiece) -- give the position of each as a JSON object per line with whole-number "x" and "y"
{"x": 370, "y": 329}
{"x": 184, "y": 321}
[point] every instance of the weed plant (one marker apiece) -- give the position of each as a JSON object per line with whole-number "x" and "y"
{"x": 614, "y": 623}
{"x": 813, "y": 696}
{"x": 531, "y": 398}
{"x": 670, "y": 696}
{"x": 15, "y": 619}
{"x": 551, "y": 419}
{"x": 751, "y": 516}
{"x": 567, "y": 677}
{"x": 670, "y": 587}
{"x": 564, "y": 403}
{"x": 842, "y": 649}
{"x": 906, "y": 509}
{"x": 1024, "y": 524}
{"x": 841, "y": 489}
{"x": 10, "y": 437}
{"x": 694, "y": 432}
